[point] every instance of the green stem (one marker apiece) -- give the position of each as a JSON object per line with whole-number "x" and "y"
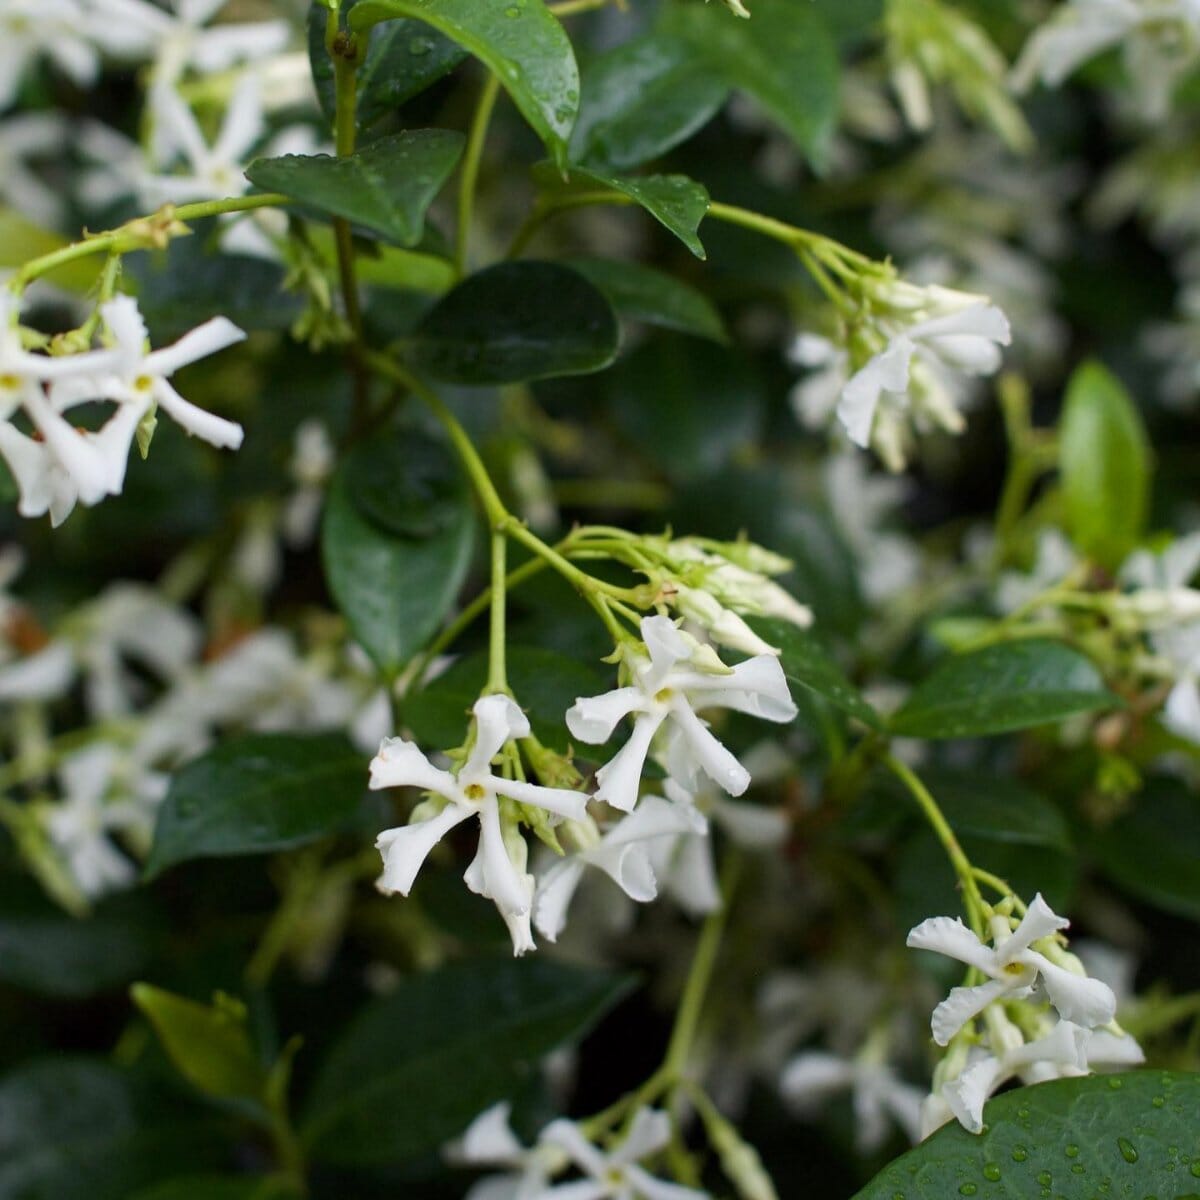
{"x": 497, "y": 674}
{"x": 142, "y": 233}
{"x": 548, "y": 207}
{"x": 941, "y": 828}
{"x": 472, "y": 158}
{"x": 343, "y": 50}
{"x": 568, "y": 8}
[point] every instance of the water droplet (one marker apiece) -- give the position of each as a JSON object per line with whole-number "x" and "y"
{"x": 1128, "y": 1152}
{"x": 512, "y": 12}
{"x": 897, "y": 1196}
{"x": 1045, "y": 1178}
{"x": 1023, "y": 1113}
{"x": 1195, "y": 1169}
{"x": 419, "y": 46}
{"x": 991, "y": 1171}
{"x": 1072, "y": 1151}
{"x": 1020, "y": 1154}
{"x": 968, "y": 1189}
{"x": 1158, "y": 1101}
{"x": 1077, "y": 1168}
{"x": 1114, "y": 1082}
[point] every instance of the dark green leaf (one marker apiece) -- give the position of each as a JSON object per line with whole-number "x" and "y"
{"x": 784, "y": 57}
{"x": 48, "y": 951}
{"x": 544, "y": 683}
{"x": 849, "y": 19}
{"x": 1132, "y": 1135}
{"x": 406, "y": 482}
{"x": 675, "y": 201}
{"x": 640, "y": 293}
{"x": 416, "y": 1067}
{"x": 1153, "y": 851}
{"x": 808, "y": 665}
{"x": 514, "y": 322}
{"x": 520, "y": 42}
{"x": 261, "y": 792}
{"x": 402, "y": 59}
{"x": 72, "y": 1129}
{"x": 643, "y": 98}
{"x": 394, "y": 591}
{"x": 385, "y": 187}
{"x": 1014, "y": 685}
{"x": 688, "y": 407}
{"x": 1104, "y": 459}
{"x": 998, "y": 809}
{"x": 220, "y": 1187}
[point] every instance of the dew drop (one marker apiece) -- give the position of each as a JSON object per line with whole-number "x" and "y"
{"x": 897, "y": 1196}
{"x": 1114, "y": 1082}
{"x": 991, "y": 1171}
{"x": 968, "y": 1189}
{"x": 1128, "y": 1152}
{"x": 512, "y": 12}
{"x": 1158, "y": 1101}
{"x": 1195, "y": 1169}
{"x": 1020, "y": 1154}
{"x": 1072, "y": 1151}
{"x": 1077, "y": 1168}
{"x": 419, "y": 47}
{"x": 1023, "y": 1113}
{"x": 1045, "y": 1178}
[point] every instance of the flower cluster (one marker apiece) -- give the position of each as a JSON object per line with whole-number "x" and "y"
{"x": 1002, "y": 1028}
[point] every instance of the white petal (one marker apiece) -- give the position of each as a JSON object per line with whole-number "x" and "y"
{"x": 690, "y": 875}
{"x": 81, "y": 461}
{"x": 886, "y": 372}
{"x": 979, "y": 320}
{"x": 45, "y": 675}
{"x": 1107, "y": 1050}
{"x": 647, "y": 1185}
{"x": 404, "y": 849}
{"x": 620, "y": 777}
{"x": 490, "y": 1139}
{"x": 217, "y": 334}
{"x": 213, "y": 429}
{"x": 492, "y": 873}
{"x": 1084, "y": 1001}
{"x": 813, "y": 1075}
{"x": 1039, "y": 921}
{"x": 628, "y": 866}
{"x": 967, "y": 1094}
{"x": 568, "y": 1136}
{"x": 654, "y": 818}
{"x": 400, "y": 763}
{"x": 592, "y": 719}
{"x": 649, "y": 1133}
{"x": 963, "y": 1003}
{"x": 751, "y": 825}
{"x": 562, "y": 801}
{"x": 949, "y": 936}
{"x": 555, "y": 890}
{"x": 497, "y": 720}
{"x": 1065, "y": 1045}
{"x": 713, "y": 758}
{"x": 757, "y": 687}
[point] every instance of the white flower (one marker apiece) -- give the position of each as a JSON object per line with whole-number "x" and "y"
{"x": 473, "y": 792}
{"x": 877, "y": 1093}
{"x": 25, "y": 136}
{"x": 490, "y": 1142}
{"x": 622, "y": 854}
{"x": 56, "y": 28}
{"x": 1013, "y": 967}
{"x": 44, "y": 675}
{"x": 312, "y": 462}
{"x": 670, "y": 683}
{"x": 616, "y": 1174}
{"x": 815, "y": 398}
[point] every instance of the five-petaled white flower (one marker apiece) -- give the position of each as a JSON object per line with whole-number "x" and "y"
{"x": 1014, "y": 969}
{"x": 617, "y": 1174}
{"x": 489, "y": 1141}
{"x": 475, "y": 791}
{"x": 671, "y": 681}
{"x": 57, "y": 28}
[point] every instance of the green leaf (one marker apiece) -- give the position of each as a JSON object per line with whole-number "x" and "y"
{"x": 784, "y": 57}
{"x": 675, "y": 201}
{"x": 208, "y": 1044}
{"x": 520, "y": 41}
{"x": 73, "y": 1129}
{"x": 1152, "y": 851}
{"x": 640, "y": 293}
{"x": 402, "y": 59}
{"x": 386, "y": 187}
{"x": 414, "y": 1068}
{"x": 260, "y": 792}
{"x": 45, "y": 950}
{"x": 1104, "y": 460}
{"x": 807, "y": 664}
{"x": 394, "y": 591}
{"x": 406, "y": 482}
{"x": 544, "y": 683}
{"x": 641, "y": 99}
{"x": 998, "y": 809}
{"x": 220, "y": 1187}
{"x": 1014, "y": 685}
{"x": 1130, "y": 1135}
{"x": 515, "y": 322}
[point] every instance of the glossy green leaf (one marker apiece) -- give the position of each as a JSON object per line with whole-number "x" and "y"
{"x": 406, "y": 482}
{"x": 394, "y": 591}
{"x": 643, "y": 98}
{"x": 76, "y": 1129}
{"x": 784, "y": 57}
{"x": 675, "y": 201}
{"x": 808, "y": 665}
{"x": 1010, "y": 686}
{"x": 998, "y": 809}
{"x": 385, "y": 187}
{"x": 1153, "y": 851}
{"x": 520, "y": 41}
{"x": 1104, "y": 461}
{"x": 544, "y": 683}
{"x": 515, "y": 322}
{"x": 402, "y": 59}
{"x": 414, "y": 1068}
{"x": 640, "y": 293}
{"x": 1130, "y": 1135}
{"x": 256, "y": 793}
{"x": 209, "y": 1044}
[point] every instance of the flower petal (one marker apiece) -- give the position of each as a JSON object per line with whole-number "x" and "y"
{"x": 963, "y": 1003}
{"x": 620, "y": 777}
{"x": 967, "y": 1094}
{"x": 194, "y": 420}
{"x": 400, "y": 763}
{"x": 949, "y": 936}
{"x": 555, "y": 890}
{"x": 886, "y": 372}
{"x": 1077, "y": 998}
{"x": 405, "y": 848}
{"x": 649, "y": 1133}
{"x": 592, "y": 719}
{"x": 718, "y": 763}
{"x": 563, "y": 801}
{"x": 497, "y": 720}
{"x": 1040, "y": 921}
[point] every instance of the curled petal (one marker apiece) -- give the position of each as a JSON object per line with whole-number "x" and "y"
{"x": 649, "y": 1133}
{"x": 620, "y": 776}
{"x": 555, "y": 891}
{"x": 405, "y": 849}
{"x": 592, "y": 719}
{"x": 714, "y": 759}
{"x": 967, "y": 1094}
{"x": 886, "y": 372}
{"x": 497, "y": 720}
{"x": 690, "y": 877}
{"x": 963, "y": 1003}
{"x": 490, "y": 1139}
{"x": 400, "y": 763}
{"x": 213, "y": 429}
{"x": 492, "y": 873}
{"x": 756, "y": 686}
{"x": 1039, "y": 921}
{"x": 949, "y": 936}
{"x": 645, "y": 1184}
{"x": 628, "y": 866}
{"x": 1079, "y": 999}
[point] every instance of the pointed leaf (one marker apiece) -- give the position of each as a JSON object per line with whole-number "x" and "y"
{"x": 515, "y": 322}
{"x": 385, "y": 187}
{"x": 520, "y": 41}
{"x": 1014, "y": 685}
{"x": 260, "y": 792}
{"x": 675, "y": 201}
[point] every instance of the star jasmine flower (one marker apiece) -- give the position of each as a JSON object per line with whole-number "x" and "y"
{"x": 670, "y": 681}
{"x": 617, "y": 1174}
{"x": 489, "y": 1141}
{"x": 622, "y": 853}
{"x": 56, "y": 28}
{"x": 1014, "y": 968}
{"x": 474, "y": 791}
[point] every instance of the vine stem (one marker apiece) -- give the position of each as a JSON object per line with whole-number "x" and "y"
{"x": 941, "y": 828}
{"x": 497, "y": 672}
{"x": 142, "y": 233}
{"x": 472, "y": 159}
